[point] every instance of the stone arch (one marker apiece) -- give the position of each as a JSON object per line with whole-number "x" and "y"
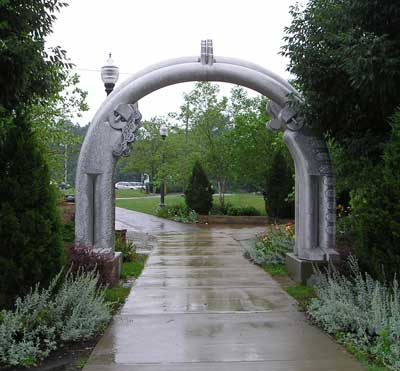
{"x": 114, "y": 126}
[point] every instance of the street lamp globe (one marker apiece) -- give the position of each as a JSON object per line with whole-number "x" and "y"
{"x": 109, "y": 74}
{"x": 163, "y": 131}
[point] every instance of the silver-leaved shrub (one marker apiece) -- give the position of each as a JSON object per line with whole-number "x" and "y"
{"x": 360, "y": 310}
{"x": 80, "y": 307}
{"x": 71, "y": 308}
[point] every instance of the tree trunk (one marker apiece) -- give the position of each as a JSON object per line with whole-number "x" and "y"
{"x": 221, "y": 191}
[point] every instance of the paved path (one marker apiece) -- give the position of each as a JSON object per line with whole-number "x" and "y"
{"x": 200, "y": 306}
{"x": 134, "y": 221}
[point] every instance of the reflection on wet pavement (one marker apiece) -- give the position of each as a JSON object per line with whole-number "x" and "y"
{"x": 199, "y": 306}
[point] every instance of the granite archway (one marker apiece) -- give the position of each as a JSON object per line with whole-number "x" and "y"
{"x": 114, "y": 125}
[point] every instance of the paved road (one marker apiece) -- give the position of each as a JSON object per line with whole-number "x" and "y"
{"x": 200, "y": 306}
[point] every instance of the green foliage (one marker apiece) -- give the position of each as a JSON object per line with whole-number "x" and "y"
{"x": 68, "y": 231}
{"x": 279, "y": 183}
{"x": 30, "y": 230}
{"x": 127, "y": 248}
{"x": 227, "y": 135}
{"x": 71, "y": 308}
{"x": 52, "y": 124}
{"x": 234, "y": 210}
{"x": 252, "y": 145}
{"x": 272, "y": 247}
{"x": 211, "y": 129}
{"x": 116, "y": 296}
{"x": 345, "y": 55}
{"x": 360, "y": 311}
{"x": 198, "y": 195}
{"x": 179, "y": 213}
{"x": 243, "y": 211}
{"x": 276, "y": 270}
{"x": 376, "y": 216}
{"x": 31, "y": 247}
{"x": 303, "y": 294}
{"x": 29, "y": 71}
{"x": 134, "y": 267}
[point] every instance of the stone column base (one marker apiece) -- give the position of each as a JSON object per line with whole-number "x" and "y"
{"x": 301, "y": 270}
{"x": 114, "y": 269}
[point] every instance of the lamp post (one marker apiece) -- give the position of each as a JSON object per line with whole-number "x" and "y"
{"x": 163, "y": 134}
{"x": 109, "y": 74}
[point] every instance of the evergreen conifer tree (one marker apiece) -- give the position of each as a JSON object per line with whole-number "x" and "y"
{"x": 198, "y": 195}
{"x": 31, "y": 249}
{"x": 279, "y": 184}
{"x": 31, "y": 246}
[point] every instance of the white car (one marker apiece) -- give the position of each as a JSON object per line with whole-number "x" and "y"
{"x": 129, "y": 185}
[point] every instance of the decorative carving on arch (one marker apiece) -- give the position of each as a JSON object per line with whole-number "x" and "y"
{"x": 125, "y": 117}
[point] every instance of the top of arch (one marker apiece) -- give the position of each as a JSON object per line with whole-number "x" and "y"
{"x": 208, "y": 67}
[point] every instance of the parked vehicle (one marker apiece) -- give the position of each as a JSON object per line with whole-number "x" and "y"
{"x": 129, "y": 185}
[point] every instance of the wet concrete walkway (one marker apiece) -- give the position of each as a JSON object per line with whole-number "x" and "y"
{"x": 199, "y": 305}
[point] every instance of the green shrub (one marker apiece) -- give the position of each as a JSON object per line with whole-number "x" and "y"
{"x": 219, "y": 209}
{"x": 243, "y": 211}
{"x": 198, "y": 194}
{"x": 360, "y": 311}
{"x": 179, "y": 213}
{"x": 127, "y": 248}
{"x": 31, "y": 248}
{"x": 69, "y": 309}
{"x": 272, "y": 247}
{"x": 376, "y": 212}
{"x": 68, "y": 231}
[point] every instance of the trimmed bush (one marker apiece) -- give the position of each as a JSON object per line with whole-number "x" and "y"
{"x": 243, "y": 211}
{"x": 198, "y": 195}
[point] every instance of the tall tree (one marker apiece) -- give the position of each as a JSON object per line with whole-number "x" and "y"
{"x": 345, "y": 55}
{"x": 31, "y": 250}
{"x": 211, "y": 127}
{"x": 253, "y": 145}
{"x": 52, "y": 123}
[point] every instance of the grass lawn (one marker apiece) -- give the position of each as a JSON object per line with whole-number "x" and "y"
{"x": 135, "y": 267}
{"x": 117, "y": 295}
{"x": 130, "y": 193}
{"x": 149, "y": 205}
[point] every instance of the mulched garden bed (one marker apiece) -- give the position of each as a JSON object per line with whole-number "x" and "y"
{"x": 69, "y": 357}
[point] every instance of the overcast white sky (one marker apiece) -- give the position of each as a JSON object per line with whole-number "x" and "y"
{"x": 143, "y": 32}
